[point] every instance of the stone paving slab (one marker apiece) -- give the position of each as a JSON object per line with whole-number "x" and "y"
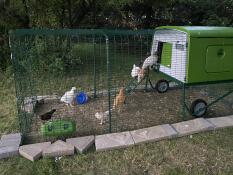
{"x": 8, "y": 151}
{"x": 58, "y": 148}
{"x": 221, "y": 122}
{"x": 113, "y": 141}
{"x": 192, "y": 126}
{"x": 10, "y": 142}
{"x": 230, "y": 116}
{"x": 153, "y": 133}
{"x": 11, "y": 136}
{"x": 33, "y": 151}
{"x": 81, "y": 144}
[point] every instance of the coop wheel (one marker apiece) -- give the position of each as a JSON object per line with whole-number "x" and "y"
{"x": 198, "y": 108}
{"x": 162, "y": 86}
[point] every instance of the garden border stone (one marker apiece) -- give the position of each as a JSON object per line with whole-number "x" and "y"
{"x": 81, "y": 144}
{"x": 33, "y": 151}
{"x": 192, "y": 126}
{"x": 8, "y": 151}
{"x": 221, "y": 122}
{"x": 113, "y": 141}
{"x": 58, "y": 148}
{"x": 154, "y": 133}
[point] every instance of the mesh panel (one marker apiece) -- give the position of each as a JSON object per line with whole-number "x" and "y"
{"x": 119, "y": 76}
{"x": 47, "y": 65}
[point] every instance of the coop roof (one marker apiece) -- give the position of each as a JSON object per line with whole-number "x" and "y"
{"x": 203, "y": 31}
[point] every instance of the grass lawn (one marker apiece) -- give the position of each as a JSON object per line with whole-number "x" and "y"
{"x": 206, "y": 153}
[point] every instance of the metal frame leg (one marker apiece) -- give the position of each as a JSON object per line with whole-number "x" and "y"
{"x": 184, "y": 105}
{"x": 220, "y": 98}
{"x": 147, "y": 79}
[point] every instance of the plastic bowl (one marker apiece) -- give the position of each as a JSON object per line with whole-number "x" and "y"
{"x": 81, "y": 98}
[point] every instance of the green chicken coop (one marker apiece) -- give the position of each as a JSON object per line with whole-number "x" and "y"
{"x": 193, "y": 56}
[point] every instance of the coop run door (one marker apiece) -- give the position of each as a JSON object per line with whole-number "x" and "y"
{"x": 166, "y": 54}
{"x": 219, "y": 59}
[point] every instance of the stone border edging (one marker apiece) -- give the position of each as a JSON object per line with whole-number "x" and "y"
{"x": 161, "y": 132}
{"x": 9, "y": 144}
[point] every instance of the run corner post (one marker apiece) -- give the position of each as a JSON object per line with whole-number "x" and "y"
{"x": 108, "y": 82}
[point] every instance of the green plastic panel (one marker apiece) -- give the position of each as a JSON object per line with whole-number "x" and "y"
{"x": 203, "y": 31}
{"x": 166, "y": 54}
{"x": 58, "y": 128}
{"x": 218, "y": 58}
{"x": 215, "y": 64}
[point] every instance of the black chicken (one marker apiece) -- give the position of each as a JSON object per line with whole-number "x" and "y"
{"x": 47, "y": 115}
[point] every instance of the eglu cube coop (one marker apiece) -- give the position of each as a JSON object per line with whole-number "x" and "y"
{"x": 48, "y": 64}
{"x": 194, "y": 56}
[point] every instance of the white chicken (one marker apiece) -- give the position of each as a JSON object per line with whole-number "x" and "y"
{"x": 69, "y": 96}
{"x": 150, "y": 61}
{"x": 135, "y": 71}
{"x": 102, "y": 116}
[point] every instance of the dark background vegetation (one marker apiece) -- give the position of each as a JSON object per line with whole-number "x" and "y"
{"x": 124, "y": 14}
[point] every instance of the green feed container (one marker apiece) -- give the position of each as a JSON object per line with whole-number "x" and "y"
{"x": 59, "y": 127}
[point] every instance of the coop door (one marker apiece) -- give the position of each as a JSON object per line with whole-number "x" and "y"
{"x": 166, "y": 54}
{"x": 219, "y": 59}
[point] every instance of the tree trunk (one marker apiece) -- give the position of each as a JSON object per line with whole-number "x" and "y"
{"x": 26, "y": 23}
{"x": 70, "y": 13}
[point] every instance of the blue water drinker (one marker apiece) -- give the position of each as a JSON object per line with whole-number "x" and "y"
{"x": 81, "y": 98}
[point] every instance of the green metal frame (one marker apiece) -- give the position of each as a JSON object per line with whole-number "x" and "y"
{"x": 208, "y": 105}
{"x": 185, "y": 85}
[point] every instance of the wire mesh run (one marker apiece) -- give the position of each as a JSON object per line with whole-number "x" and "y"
{"x": 82, "y": 82}
{"x": 53, "y": 67}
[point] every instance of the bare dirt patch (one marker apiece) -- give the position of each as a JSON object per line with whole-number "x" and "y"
{"x": 141, "y": 109}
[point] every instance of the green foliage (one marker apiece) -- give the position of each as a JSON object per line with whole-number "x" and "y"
{"x": 53, "y": 56}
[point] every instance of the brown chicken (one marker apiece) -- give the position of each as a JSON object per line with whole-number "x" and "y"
{"x": 119, "y": 99}
{"x": 141, "y": 75}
